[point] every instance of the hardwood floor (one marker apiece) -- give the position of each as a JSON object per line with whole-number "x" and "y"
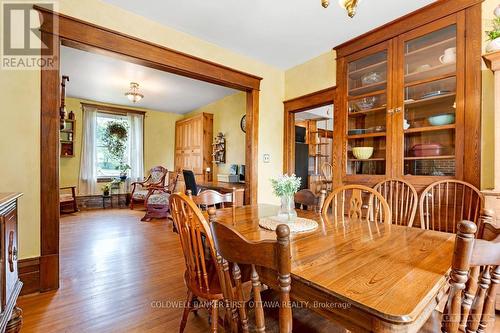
{"x": 113, "y": 268}
{"x": 117, "y": 275}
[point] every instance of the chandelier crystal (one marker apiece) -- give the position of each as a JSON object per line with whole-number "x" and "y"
{"x": 133, "y": 94}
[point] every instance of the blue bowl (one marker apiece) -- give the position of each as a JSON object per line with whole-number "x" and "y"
{"x": 442, "y": 119}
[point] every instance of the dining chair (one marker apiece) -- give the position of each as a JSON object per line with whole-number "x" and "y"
{"x": 445, "y": 203}
{"x": 201, "y": 275}
{"x": 402, "y": 199}
{"x": 307, "y": 200}
{"x": 356, "y": 202}
{"x": 474, "y": 279}
{"x": 327, "y": 176}
{"x": 190, "y": 181}
{"x": 233, "y": 249}
{"x": 212, "y": 198}
{"x": 140, "y": 190}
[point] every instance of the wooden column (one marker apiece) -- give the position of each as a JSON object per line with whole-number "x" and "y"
{"x": 493, "y": 196}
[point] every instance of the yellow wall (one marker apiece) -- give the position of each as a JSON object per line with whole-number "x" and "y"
{"x": 227, "y": 115}
{"x": 316, "y": 74}
{"x": 159, "y": 136}
{"x": 487, "y": 115}
{"x": 20, "y": 113}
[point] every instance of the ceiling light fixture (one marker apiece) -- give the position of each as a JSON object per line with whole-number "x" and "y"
{"x": 349, "y": 5}
{"x": 133, "y": 95}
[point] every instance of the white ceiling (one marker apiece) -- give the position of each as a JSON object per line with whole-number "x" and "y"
{"x": 104, "y": 79}
{"x": 283, "y": 33}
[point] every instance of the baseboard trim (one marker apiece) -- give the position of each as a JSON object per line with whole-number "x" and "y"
{"x": 29, "y": 274}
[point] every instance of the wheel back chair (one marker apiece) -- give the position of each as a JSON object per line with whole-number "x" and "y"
{"x": 357, "y": 202}
{"x": 402, "y": 199}
{"x": 445, "y": 203}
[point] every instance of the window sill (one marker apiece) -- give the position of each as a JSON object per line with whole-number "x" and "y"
{"x": 105, "y": 179}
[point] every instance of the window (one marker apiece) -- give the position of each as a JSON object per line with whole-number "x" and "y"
{"x": 111, "y": 144}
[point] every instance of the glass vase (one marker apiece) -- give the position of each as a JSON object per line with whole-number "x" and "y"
{"x": 287, "y": 209}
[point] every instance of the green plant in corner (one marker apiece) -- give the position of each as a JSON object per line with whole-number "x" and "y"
{"x": 105, "y": 189}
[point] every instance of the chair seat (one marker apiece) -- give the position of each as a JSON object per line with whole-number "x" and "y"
{"x": 140, "y": 194}
{"x": 158, "y": 199}
{"x": 304, "y": 320}
{"x": 66, "y": 198}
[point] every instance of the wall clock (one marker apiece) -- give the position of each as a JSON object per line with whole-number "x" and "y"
{"x": 243, "y": 123}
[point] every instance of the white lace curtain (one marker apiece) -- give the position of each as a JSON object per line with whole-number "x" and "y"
{"x": 136, "y": 146}
{"x": 88, "y": 162}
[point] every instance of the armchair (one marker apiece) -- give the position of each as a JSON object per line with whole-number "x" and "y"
{"x": 140, "y": 190}
{"x": 156, "y": 201}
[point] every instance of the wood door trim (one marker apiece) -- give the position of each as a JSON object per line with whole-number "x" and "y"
{"x": 298, "y": 104}
{"x": 403, "y": 24}
{"x": 86, "y": 36}
{"x": 112, "y": 109}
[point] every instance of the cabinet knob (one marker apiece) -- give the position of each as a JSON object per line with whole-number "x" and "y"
{"x": 398, "y": 110}
{"x": 390, "y": 111}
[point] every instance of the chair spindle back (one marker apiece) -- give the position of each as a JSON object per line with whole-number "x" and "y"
{"x": 474, "y": 281}
{"x": 445, "y": 203}
{"x": 402, "y": 199}
{"x": 232, "y": 247}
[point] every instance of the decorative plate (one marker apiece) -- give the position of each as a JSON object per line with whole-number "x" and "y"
{"x": 243, "y": 123}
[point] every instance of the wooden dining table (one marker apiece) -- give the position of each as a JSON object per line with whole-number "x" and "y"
{"x": 367, "y": 277}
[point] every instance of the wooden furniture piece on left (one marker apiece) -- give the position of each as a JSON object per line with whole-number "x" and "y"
{"x": 200, "y": 278}
{"x": 67, "y": 201}
{"x": 10, "y": 315}
{"x": 193, "y": 144}
{"x": 140, "y": 190}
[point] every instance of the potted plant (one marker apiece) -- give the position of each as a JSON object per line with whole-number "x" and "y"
{"x": 285, "y": 187}
{"x": 123, "y": 171}
{"x": 105, "y": 190}
{"x": 494, "y": 34}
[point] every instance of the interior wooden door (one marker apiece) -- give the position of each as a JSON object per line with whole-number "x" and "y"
{"x": 429, "y": 90}
{"x": 367, "y": 114}
{"x": 196, "y": 144}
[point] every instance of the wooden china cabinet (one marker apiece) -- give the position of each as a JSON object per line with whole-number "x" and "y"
{"x": 406, "y": 106}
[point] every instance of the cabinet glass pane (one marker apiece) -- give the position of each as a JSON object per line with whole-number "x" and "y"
{"x": 367, "y": 115}
{"x": 368, "y": 74}
{"x": 430, "y": 104}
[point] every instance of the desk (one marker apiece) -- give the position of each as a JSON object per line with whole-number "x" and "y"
{"x": 389, "y": 277}
{"x": 226, "y": 188}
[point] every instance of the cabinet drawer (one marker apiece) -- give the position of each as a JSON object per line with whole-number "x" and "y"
{"x": 9, "y": 254}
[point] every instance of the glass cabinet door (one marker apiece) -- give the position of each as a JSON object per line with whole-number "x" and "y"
{"x": 367, "y": 82}
{"x": 430, "y": 108}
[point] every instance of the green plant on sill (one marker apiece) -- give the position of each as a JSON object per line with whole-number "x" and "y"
{"x": 123, "y": 167}
{"x": 105, "y": 187}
